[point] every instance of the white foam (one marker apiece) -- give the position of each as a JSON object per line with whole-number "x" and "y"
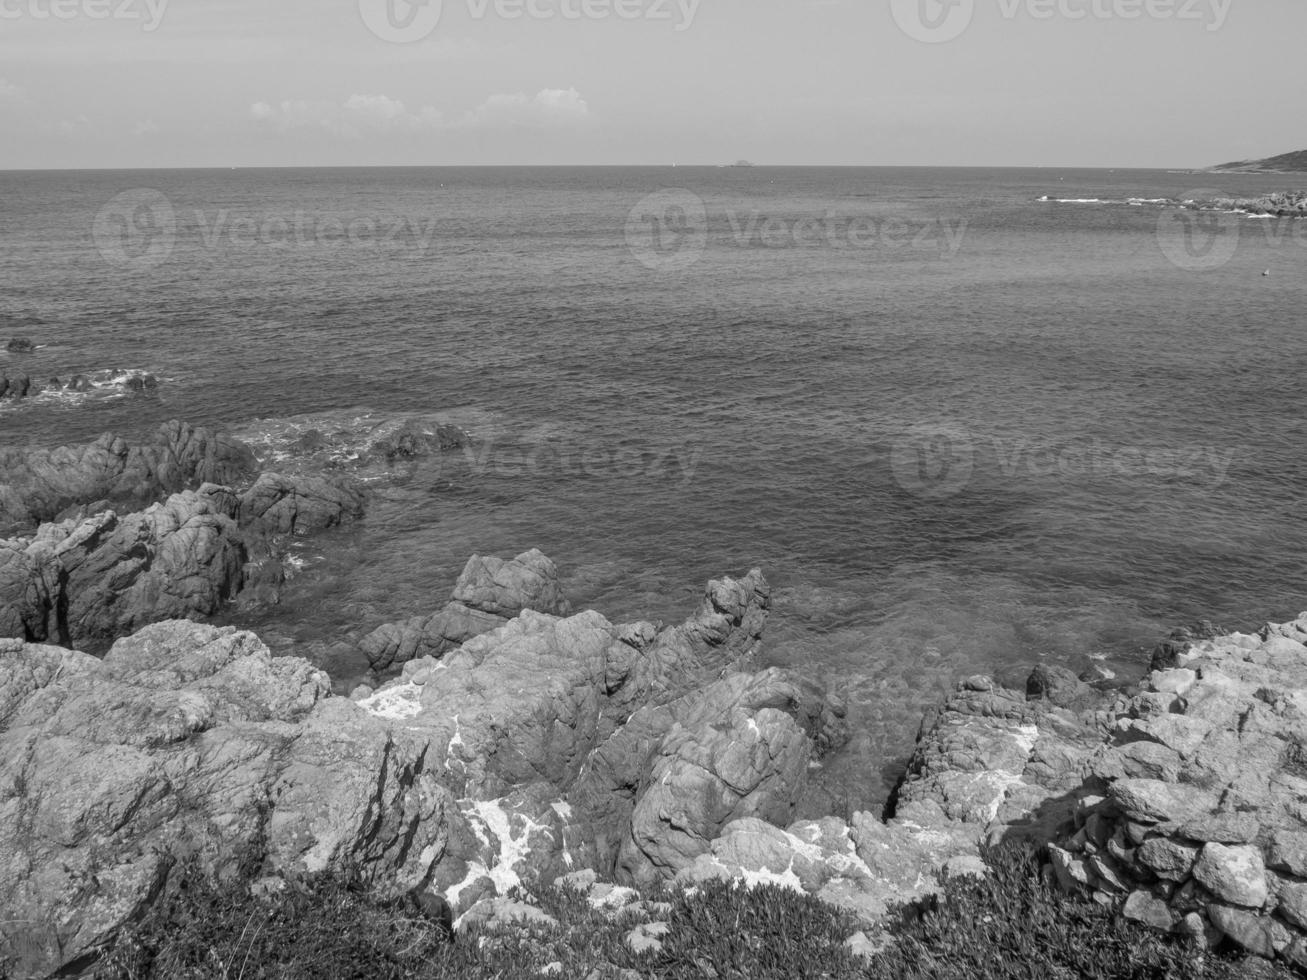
{"x": 398, "y": 703}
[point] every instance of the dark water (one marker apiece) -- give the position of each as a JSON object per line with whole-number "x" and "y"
{"x": 960, "y": 428}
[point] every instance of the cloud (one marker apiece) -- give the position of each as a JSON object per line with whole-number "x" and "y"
{"x": 145, "y": 127}
{"x": 551, "y": 106}
{"x": 361, "y": 115}
{"x": 9, "y": 92}
{"x": 358, "y": 116}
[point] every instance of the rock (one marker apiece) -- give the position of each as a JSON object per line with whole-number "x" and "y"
{"x": 1072, "y": 873}
{"x": 141, "y": 383}
{"x": 505, "y": 588}
{"x": 1153, "y": 800}
{"x": 647, "y": 937}
{"x": 1288, "y": 852}
{"x": 186, "y": 734}
{"x": 1058, "y": 686}
{"x": 20, "y": 345}
{"x": 737, "y": 748}
{"x": 413, "y": 438}
{"x": 1259, "y": 935}
{"x": 1293, "y": 903}
{"x": 435, "y": 910}
{"x": 1222, "y": 828}
{"x": 1177, "y": 681}
{"x": 501, "y": 914}
{"x": 488, "y": 593}
{"x": 39, "y": 484}
{"x": 863, "y": 946}
{"x": 1235, "y": 875}
{"x": 86, "y": 583}
{"x": 1167, "y": 859}
{"x": 743, "y": 762}
{"x": 298, "y": 505}
{"x": 1148, "y": 910}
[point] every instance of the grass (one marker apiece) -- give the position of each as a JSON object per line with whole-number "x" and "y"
{"x": 1008, "y": 926}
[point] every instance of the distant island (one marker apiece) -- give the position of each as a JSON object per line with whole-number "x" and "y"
{"x": 742, "y": 163}
{"x": 1284, "y": 163}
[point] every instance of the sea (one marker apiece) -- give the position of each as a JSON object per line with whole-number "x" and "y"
{"x": 965, "y": 420}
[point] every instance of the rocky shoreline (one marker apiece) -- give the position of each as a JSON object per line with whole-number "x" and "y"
{"x": 523, "y": 743}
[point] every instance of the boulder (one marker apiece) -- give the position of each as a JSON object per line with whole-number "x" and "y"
{"x": 20, "y": 345}
{"x": 187, "y": 741}
{"x": 1235, "y": 875}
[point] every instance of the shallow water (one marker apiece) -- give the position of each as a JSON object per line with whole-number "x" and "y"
{"x": 961, "y": 429}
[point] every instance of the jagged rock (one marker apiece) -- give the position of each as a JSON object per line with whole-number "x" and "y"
{"x": 85, "y": 583}
{"x": 40, "y": 484}
{"x": 187, "y": 739}
{"x": 726, "y": 762}
{"x": 714, "y": 747}
{"x": 488, "y": 594}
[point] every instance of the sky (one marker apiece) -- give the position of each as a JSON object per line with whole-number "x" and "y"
{"x": 227, "y": 83}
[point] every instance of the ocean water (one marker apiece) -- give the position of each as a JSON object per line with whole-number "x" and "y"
{"x": 965, "y": 420}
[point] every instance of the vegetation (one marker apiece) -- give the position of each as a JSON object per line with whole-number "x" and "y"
{"x": 1285, "y": 204}
{"x": 1008, "y": 925}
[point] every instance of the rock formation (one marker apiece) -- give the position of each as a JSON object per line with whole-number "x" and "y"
{"x": 464, "y": 777}
{"x": 41, "y": 485}
{"x": 488, "y": 594}
{"x": 187, "y": 739}
{"x": 1195, "y": 821}
{"x": 87, "y": 581}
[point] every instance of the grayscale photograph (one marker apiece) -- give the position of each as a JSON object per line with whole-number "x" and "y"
{"x": 653, "y": 489}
